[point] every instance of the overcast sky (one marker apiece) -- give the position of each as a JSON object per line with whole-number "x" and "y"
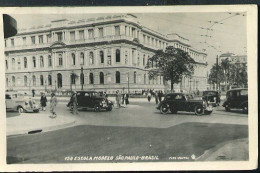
{"x": 228, "y": 35}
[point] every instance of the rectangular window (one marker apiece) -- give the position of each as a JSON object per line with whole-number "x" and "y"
{"x": 5, "y": 43}
{"x": 148, "y": 40}
{"x": 81, "y": 35}
{"x": 6, "y": 64}
{"x": 90, "y": 33}
{"x": 24, "y": 41}
{"x": 133, "y": 32}
{"x": 117, "y": 30}
{"x": 33, "y": 39}
{"x": 12, "y": 42}
{"x": 49, "y": 38}
{"x": 72, "y": 36}
{"x": 40, "y": 39}
{"x": 59, "y": 36}
{"x": 100, "y": 31}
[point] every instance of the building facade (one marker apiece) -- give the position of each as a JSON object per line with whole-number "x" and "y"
{"x": 103, "y": 54}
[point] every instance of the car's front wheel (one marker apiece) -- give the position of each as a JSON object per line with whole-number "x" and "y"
{"x": 97, "y": 108}
{"x": 227, "y": 108}
{"x": 245, "y": 109}
{"x": 198, "y": 110}
{"x": 109, "y": 108}
{"x": 20, "y": 109}
{"x": 164, "y": 109}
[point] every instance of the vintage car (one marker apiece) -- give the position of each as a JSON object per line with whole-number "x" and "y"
{"x": 175, "y": 102}
{"x": 236, "y": 98}
{"x": 91, "y": 100}
{"x": 15, "y": 101}
{"x": 212, "y": 97}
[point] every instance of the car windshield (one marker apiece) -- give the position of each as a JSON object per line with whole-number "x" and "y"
{"x": 209, "y": 93}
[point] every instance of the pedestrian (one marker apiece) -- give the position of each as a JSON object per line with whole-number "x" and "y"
{"x": 75, "y": 103}
{"x": 43, "y": 101}
{"x": 118, "y": 99}
{"x": 156, "y": 97}
{"x": 33, "y": 92}
{"x": 160, "y": 96}
{"x": 53, "y": 104}
{"x": 149, "y": 95}
{"x": 126, "y": 99}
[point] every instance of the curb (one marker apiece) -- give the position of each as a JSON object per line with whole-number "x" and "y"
{"x": 209, "y": 152}
{"x": 38, "y": 130}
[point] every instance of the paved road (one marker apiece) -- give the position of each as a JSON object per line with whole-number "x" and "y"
{"x": 138, "y": 130}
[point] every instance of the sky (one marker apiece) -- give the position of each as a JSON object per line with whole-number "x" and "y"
{"x": 216, "y": 33}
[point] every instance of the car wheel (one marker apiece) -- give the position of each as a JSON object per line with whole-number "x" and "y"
{"x": 173, "y": 111}
{"x": 97, "y": 108}
{"x": 109, "y": 108}
{"x": 164, "y": 109}
{"x": 245, "y": 109}
{"x": 20, "y": 109}
{"x": 227, "y": 108}
{"x": 198, "y": 110}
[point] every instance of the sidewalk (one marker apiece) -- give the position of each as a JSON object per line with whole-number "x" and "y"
{"x": 35, "y": 122}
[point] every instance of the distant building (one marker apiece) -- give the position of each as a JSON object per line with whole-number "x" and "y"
{"x": 112, "y": 50}
{"x": 234, "y": 58}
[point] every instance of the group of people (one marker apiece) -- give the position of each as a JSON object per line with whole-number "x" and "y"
{"x": 157, "y": 96}
{"x": 53, "y": 104}
{"x": 124, "y": 99}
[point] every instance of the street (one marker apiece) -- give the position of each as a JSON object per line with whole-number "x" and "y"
{"x": 138, "y": 130}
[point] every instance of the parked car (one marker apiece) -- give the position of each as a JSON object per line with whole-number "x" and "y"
{"x": 236, "y": 98}
{"x": 15, "y": 101}
{"x": 91, "y": 100}
{"x": 212, "y": 97}
{"x": 175, "y": 102}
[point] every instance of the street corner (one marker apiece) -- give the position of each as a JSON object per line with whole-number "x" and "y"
{"x": 36, "y": 122}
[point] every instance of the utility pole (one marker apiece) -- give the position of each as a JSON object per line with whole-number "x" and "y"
{"x": 217, "y": 72}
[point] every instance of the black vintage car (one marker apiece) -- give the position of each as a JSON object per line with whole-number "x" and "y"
{"x": 91, "y": 100}
{"x": 236, "y": 98}
{"x": 212, "y": 97}
{"x": 175, "y": 102}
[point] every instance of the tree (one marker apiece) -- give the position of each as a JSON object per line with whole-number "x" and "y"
{"x": 216, "y": 77}
{"x": 172, "y": 64}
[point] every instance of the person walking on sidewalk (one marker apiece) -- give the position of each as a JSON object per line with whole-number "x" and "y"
{"x": 149, "y": 95}
{"x": 43, "y": 101}
{"x": 118, "y": 99}
{"x": 75, "y": 103}
{"x": 156, "y": 97}
{"x": 53, "y": 104}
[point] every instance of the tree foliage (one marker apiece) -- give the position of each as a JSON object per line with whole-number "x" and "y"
{"x": 172, "y": 64}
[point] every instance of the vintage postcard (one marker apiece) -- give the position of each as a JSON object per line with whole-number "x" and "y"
{"x": 129, "y": 88}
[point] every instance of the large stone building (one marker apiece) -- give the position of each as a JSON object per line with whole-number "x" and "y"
{"x": 111, "y": 50}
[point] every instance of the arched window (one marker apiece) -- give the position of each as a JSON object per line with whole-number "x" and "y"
{"x": 34, "y": 80}
{"x": 34, "y": 62}
{"x": 91, "y": 57}
{"x": 72, "y": 78}
{"x": 25, "y": 62}
{"x": 91, "y": 78}
{"x": 13, "y": 80}
{"x": 135, "y": 77}
{"x": 73, "y": 59}
{"x": 49, "y": 61}
{"x": 82, "y": 58}
{"x": 49, "y": 80}
{"x": 126, "y": 57}
{"x": 59, "y": 77}
{"x": 101, "y": 78}
{"x": 60, "y": 60}
{"x": 117, "y": 55}
{"x": 41, "y": 61}
{"x": 41, "y": 80}
{"x": 101, "y": 57}
{"x": 25, "y": 80}
{"x": 13, "y": 63}
{"x": 117, "y": 77}
{"x": 82, "y": 78}
{"x": 144, "y": 78}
